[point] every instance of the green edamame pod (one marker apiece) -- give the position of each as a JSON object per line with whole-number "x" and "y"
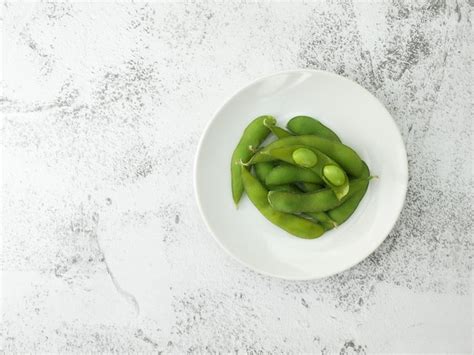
{"x": 287, "y": 174}
{"x": 262, "y": 170}
{"x": 295, "y": 225}
{"x": 280, "y": 132}
{"x": 319, "y": 201}
{"x": 285, "y": 188}
{"x": 337, "y": 180}
{"x": 304, "y": 125}
{"x": 341, "y": 213}
{"x": 340, "y": 153}
{"x": 277, "y": 131}
{"x": 323, "y": 219}
{"x": 253, "y": 136}
{"x": 308, "y": 186}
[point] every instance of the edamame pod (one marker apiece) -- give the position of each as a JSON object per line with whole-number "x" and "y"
{"x": 253, "y": 136}
{"x": 323, "y": 219}
{"x": 308, "y": 186}
{"x": 341, "y": 213}
{"x": 277, "y": 131}
{"x": 319, "y": 201}
{"x": 340, "y": 153}
{"x": 287, "y": 174}
{"x": 337, "y": 180}
{"x": 285, "y": 188}
{"x": 303, "y": 125}
{"x": 262, "y": 170}
{"x": 295, "y": 225}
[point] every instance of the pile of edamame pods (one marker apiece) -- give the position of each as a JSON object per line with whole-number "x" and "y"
{"x": 306, "y": 182}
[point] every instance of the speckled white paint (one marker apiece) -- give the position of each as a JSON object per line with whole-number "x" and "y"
{"x": 103, "y": 246}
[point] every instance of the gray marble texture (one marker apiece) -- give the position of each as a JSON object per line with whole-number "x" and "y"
{"x": 103, "y": 247}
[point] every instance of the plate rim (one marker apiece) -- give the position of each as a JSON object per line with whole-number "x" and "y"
{"x": 198, "y": 196}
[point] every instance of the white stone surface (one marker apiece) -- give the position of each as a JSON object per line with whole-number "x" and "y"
{"x": 103, "y": 246}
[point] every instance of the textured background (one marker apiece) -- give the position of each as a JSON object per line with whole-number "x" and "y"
{"x": 103, "y": 245}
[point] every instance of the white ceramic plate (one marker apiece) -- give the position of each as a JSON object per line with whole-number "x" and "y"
{"x": 361, "y": 122}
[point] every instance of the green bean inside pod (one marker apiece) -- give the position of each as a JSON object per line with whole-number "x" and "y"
{"x": 304, "y": 157}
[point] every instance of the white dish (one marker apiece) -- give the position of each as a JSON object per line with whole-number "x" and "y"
{"x": 361, "y": 122}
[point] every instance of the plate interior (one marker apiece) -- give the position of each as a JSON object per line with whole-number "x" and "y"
{"x": 361, "y": 122}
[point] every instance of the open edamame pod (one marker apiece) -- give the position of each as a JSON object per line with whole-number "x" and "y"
{"x": 253, "y": 136}
{"x": 303, "y": 125}
{"x": 346, "y": 157}
{"x": 295, "y": 225}
{"x": 287, "y": 174}
{"x": 341, "y": 213}
{"x": 319, "y": 201}
{"x": 326, "y": 168}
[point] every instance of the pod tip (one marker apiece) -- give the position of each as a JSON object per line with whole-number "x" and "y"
{"x": 269, "y": 122}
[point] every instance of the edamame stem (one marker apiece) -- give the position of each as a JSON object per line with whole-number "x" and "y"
{"x": 253, "y": 136}
{"x": 295, "y": 225}
{"x": 303, "y": 125}
{"x": 340, "y": 153}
